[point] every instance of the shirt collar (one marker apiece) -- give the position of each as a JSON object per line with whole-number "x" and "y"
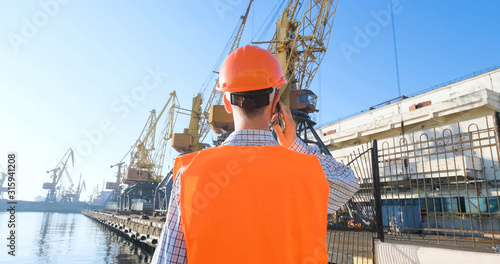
{"x": 250, "y": 137}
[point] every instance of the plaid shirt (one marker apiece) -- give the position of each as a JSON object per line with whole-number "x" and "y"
{"x": 343, "y": 185}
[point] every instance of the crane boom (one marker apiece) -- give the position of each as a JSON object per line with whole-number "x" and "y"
{"x": 300, "y": 46}
{"x": 146, "y": 161}
{"x": 57, "y": 173}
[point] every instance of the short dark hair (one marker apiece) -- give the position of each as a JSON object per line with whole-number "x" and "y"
{"x": 260, "y": 98}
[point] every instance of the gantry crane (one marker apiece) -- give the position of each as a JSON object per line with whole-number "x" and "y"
{"x": 199, "y": 126}
{"x": 56, "y": 175}
{"x": 144, "y": 172}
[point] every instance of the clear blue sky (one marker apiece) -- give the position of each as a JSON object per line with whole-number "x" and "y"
{"x": 68, "y": 67}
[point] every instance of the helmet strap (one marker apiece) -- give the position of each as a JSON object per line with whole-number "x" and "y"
{"x": 252, "y": 100}
{"x": 249, "y": 102}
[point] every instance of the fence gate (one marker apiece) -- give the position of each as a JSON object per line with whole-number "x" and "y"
{"x": 353, "y": 229}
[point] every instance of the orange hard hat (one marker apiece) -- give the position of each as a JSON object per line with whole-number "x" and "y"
{"x": 250, "y": 68}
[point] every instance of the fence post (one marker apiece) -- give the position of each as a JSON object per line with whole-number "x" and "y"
{"x": 376, "y": 191}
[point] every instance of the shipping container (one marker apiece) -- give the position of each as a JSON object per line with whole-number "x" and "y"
{"x": 401, "y": 216}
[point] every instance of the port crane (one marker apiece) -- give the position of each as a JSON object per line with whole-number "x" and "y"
{"x": 300, "y": 43}
{"x": 144, "y": 172}
{"x": 116, "y": 185}
{"x": 56, "y": 175}
{"x": 81, "y": 186}
{"x": 71, "y": 195}
{"x": 199, "y": 125}
{"x": 146, "y": 158}
{"x": 68, "y": 194}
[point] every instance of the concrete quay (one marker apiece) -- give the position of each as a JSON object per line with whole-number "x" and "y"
{"x": 144, "y": 232}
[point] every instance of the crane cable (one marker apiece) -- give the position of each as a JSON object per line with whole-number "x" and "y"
{"x": 400, "y": 110}
{"x": 224, "y": 52}
{"x": 217, "y": 63}
{"x": 222, "y": 55}
{"x": 264, "y": 28}
{"x": 253, "y": 18}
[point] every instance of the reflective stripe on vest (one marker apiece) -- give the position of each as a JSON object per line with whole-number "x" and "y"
{"x": 261, "y": 204}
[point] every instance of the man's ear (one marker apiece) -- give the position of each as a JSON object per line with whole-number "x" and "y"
{"x": 227, "y": 104}
{"x": 276, "y": 99}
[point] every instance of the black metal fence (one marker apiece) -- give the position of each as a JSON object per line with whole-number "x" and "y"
{"x": 436, "y": 186}
{"x": 441, "y": 186}
{"x": 353, "y": 228}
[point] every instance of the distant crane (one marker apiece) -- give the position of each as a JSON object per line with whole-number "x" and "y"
{"x": 70, "y": 195}
{"x": 146, "y": 158}
{"x": 56, "y": 175}
{"x": 144, "y": 173}
{"x": 79, "y": 188}
{"x": 118, "y": 179}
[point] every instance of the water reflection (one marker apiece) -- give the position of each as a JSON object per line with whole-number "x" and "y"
{"x": 128, "y": 252}
{"x": 71, "y": 233}
{"x": 71, "y": 238}
{"x": 43, "y": 247}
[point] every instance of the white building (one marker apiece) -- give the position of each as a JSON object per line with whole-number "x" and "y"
{"x": 446, "y": 163}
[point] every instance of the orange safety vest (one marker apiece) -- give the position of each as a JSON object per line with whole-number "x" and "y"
{"x": 263, "y": 204}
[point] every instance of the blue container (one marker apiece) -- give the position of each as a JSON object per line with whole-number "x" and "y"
{"x": 450, "y": 205}
{"x": 431, "y": 205}
{"x": 403, "y": 217}
{"x": 476, "y": 205}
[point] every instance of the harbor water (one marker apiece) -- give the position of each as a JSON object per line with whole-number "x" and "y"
{"x": 65, "y": 238}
